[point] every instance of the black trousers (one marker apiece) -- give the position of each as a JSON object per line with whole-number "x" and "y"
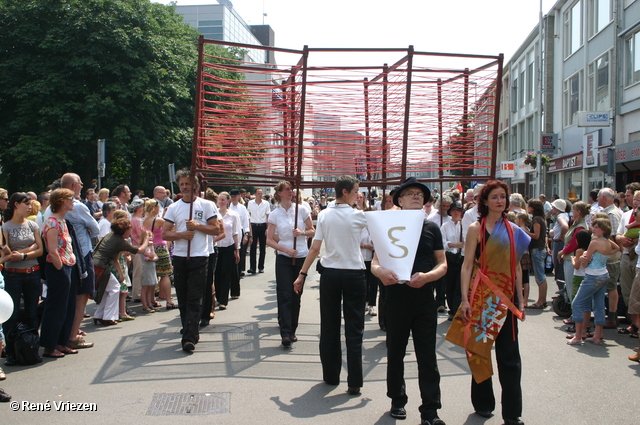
{"x": 342, "y": 292}
{"x": 209, "y": 290}
{"x": 372, "y": 285}
{"x": 59, "y": 308}
{"x": 242, "y": 265}
{"x": 382, "y": 300}
{"x": 412, "y": 311}
{"x": 452, "y": 281}
{"x": 288, "y": 300}
{"x": 190, "y": 278}
{"x": 509, "y": 373}
{"x": 226, "y": 273}
{"x": 259, "y": 236}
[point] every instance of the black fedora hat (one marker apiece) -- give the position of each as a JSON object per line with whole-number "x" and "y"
{"x": 412, "y": 182}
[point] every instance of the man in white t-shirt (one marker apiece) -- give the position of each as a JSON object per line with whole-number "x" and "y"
{"x": 187, "y": 224}
{"x": 247, "y": 235}
{"x": 342, "y": 284}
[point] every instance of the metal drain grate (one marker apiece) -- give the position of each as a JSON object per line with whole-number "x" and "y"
{"x": 189, "y": 404}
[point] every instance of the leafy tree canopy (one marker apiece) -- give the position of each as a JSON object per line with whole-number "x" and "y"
{"x": 74, "y": 71}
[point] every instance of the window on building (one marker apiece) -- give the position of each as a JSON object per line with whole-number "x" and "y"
{"x": 573, "y": 29}
{"x": 572, "y": 99}
{"x": 531, "y": 131}
{"x": 514, "y": 95}
{"x": 632, "y": 59}
{"x": 599, "y": 14}
{"x": 530, "y": 78}
{"x": 521, "y": 95}
{"x": 599, "y": 91}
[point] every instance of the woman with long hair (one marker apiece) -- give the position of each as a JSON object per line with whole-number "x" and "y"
{"x": 580, "y": 212}
{"x": 291, "y": 251}
{"x": 60, "y": 307}
{"x": 21, "y": 271}
{"x": 228, "y": 250}
{"x": 162, "y": 266}
{"x": 491, "y": 276}
{"x": 538, "y": 250}
{"x": 103, "y": 196}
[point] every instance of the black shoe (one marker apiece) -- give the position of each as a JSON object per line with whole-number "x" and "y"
{"x": 131, "y": 312}
{"x": 515, "y": 421}
{"x": 188, "y": 346}
{"x": 286, "y": 341}
{"x": 294, "y": 338}
{"x": 353, "y": 390}
{"x": 11, "y": 361}
{"x": 261, "y": 271}
{"x": 204, "y": 322}
{"x": 434, "y": 421}
{"x": 398, "y": 412}
{"x": 241, "y": 274}
{"x": 251, "y": 271}
{"x": 484, "y": 413}
{"x": 4, "y": 397}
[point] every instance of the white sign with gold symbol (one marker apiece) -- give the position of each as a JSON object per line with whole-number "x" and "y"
{"x": 395, "y": 235}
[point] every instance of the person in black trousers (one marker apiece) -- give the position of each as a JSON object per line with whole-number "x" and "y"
{"x": 412, "y": 309}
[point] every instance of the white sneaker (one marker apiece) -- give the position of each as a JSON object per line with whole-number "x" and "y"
{"x": 372, "y": 311}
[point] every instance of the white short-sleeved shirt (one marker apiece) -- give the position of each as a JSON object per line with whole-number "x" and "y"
{"x": 178, "y": 213}
{"x": 284, "y": 222}
{"x": 340, "y": 227}
{"x": 244, "y": 215}
{"x": 231, "y": 222}
{"x": 258, "y": 213}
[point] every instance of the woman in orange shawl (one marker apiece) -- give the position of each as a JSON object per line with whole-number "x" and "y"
{"x": 491, "y": 278}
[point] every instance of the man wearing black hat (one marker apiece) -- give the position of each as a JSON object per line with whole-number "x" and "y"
{"x": 411, "y": 308}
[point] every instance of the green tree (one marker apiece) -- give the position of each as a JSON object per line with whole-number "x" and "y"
{"x": 74, "y": 71}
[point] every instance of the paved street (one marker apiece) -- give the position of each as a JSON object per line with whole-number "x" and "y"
{"x": 241, "y": 374}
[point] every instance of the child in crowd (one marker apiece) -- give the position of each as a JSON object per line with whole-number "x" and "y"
{"x": 583, "y": 238}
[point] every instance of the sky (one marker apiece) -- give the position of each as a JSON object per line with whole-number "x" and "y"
{"x": 487, "y": 27}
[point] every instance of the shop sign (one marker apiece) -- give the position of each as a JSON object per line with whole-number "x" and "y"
{"x": 549, "y": 144}
{"x": 591, "y": 143}
{"x": 628, "y": 152}
{"x": 564, "y": 163}
{"x": 507, "y": 169}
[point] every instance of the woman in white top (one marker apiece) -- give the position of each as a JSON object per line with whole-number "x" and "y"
{"x": 228, "y": 250}
{"x": 291, "y": 248}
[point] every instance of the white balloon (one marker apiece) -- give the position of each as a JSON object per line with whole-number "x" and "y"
{"x": 6, "y": 306}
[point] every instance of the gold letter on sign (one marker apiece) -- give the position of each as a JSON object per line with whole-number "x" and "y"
{"x": 394, "y": 240}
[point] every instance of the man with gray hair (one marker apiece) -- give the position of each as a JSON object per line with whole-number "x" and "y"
{"x": 605, "y": 201}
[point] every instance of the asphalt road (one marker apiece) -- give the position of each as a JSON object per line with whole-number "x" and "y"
{"x": 240, "y": 374}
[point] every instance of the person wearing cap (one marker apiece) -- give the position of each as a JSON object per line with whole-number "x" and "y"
{"x": 411, "y": 308}
{"x": 342, "y": 284}
{"x": 452, "y": 242}
{"x": 556, "y": 237}
{"x": 247, "y": 236}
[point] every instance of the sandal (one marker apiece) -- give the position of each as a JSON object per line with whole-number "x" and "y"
{"x": 632, "y": 328}
{"x": 67, "y": 350}
{"x": 171, "y": 306}
{"x": 568, "y": 321}
{"x": 53, "y": 354}
{"x": 537, "y": 306}
{"x": 571, "y": 328}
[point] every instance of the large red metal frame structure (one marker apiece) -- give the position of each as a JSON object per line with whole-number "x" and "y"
{"x": 429, "y": 115}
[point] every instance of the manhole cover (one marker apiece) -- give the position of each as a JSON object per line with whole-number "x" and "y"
{"x": 189, "y": 404}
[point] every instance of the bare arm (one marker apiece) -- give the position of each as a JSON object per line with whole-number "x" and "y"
{"x": 311, "y": 256}
{"x": 467, "y": 269}
{"x": 52, "y": 247}
{"x": 169, "y": 233}
{"x": 211, "y": 228}
{"x": 387, "y": 277}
